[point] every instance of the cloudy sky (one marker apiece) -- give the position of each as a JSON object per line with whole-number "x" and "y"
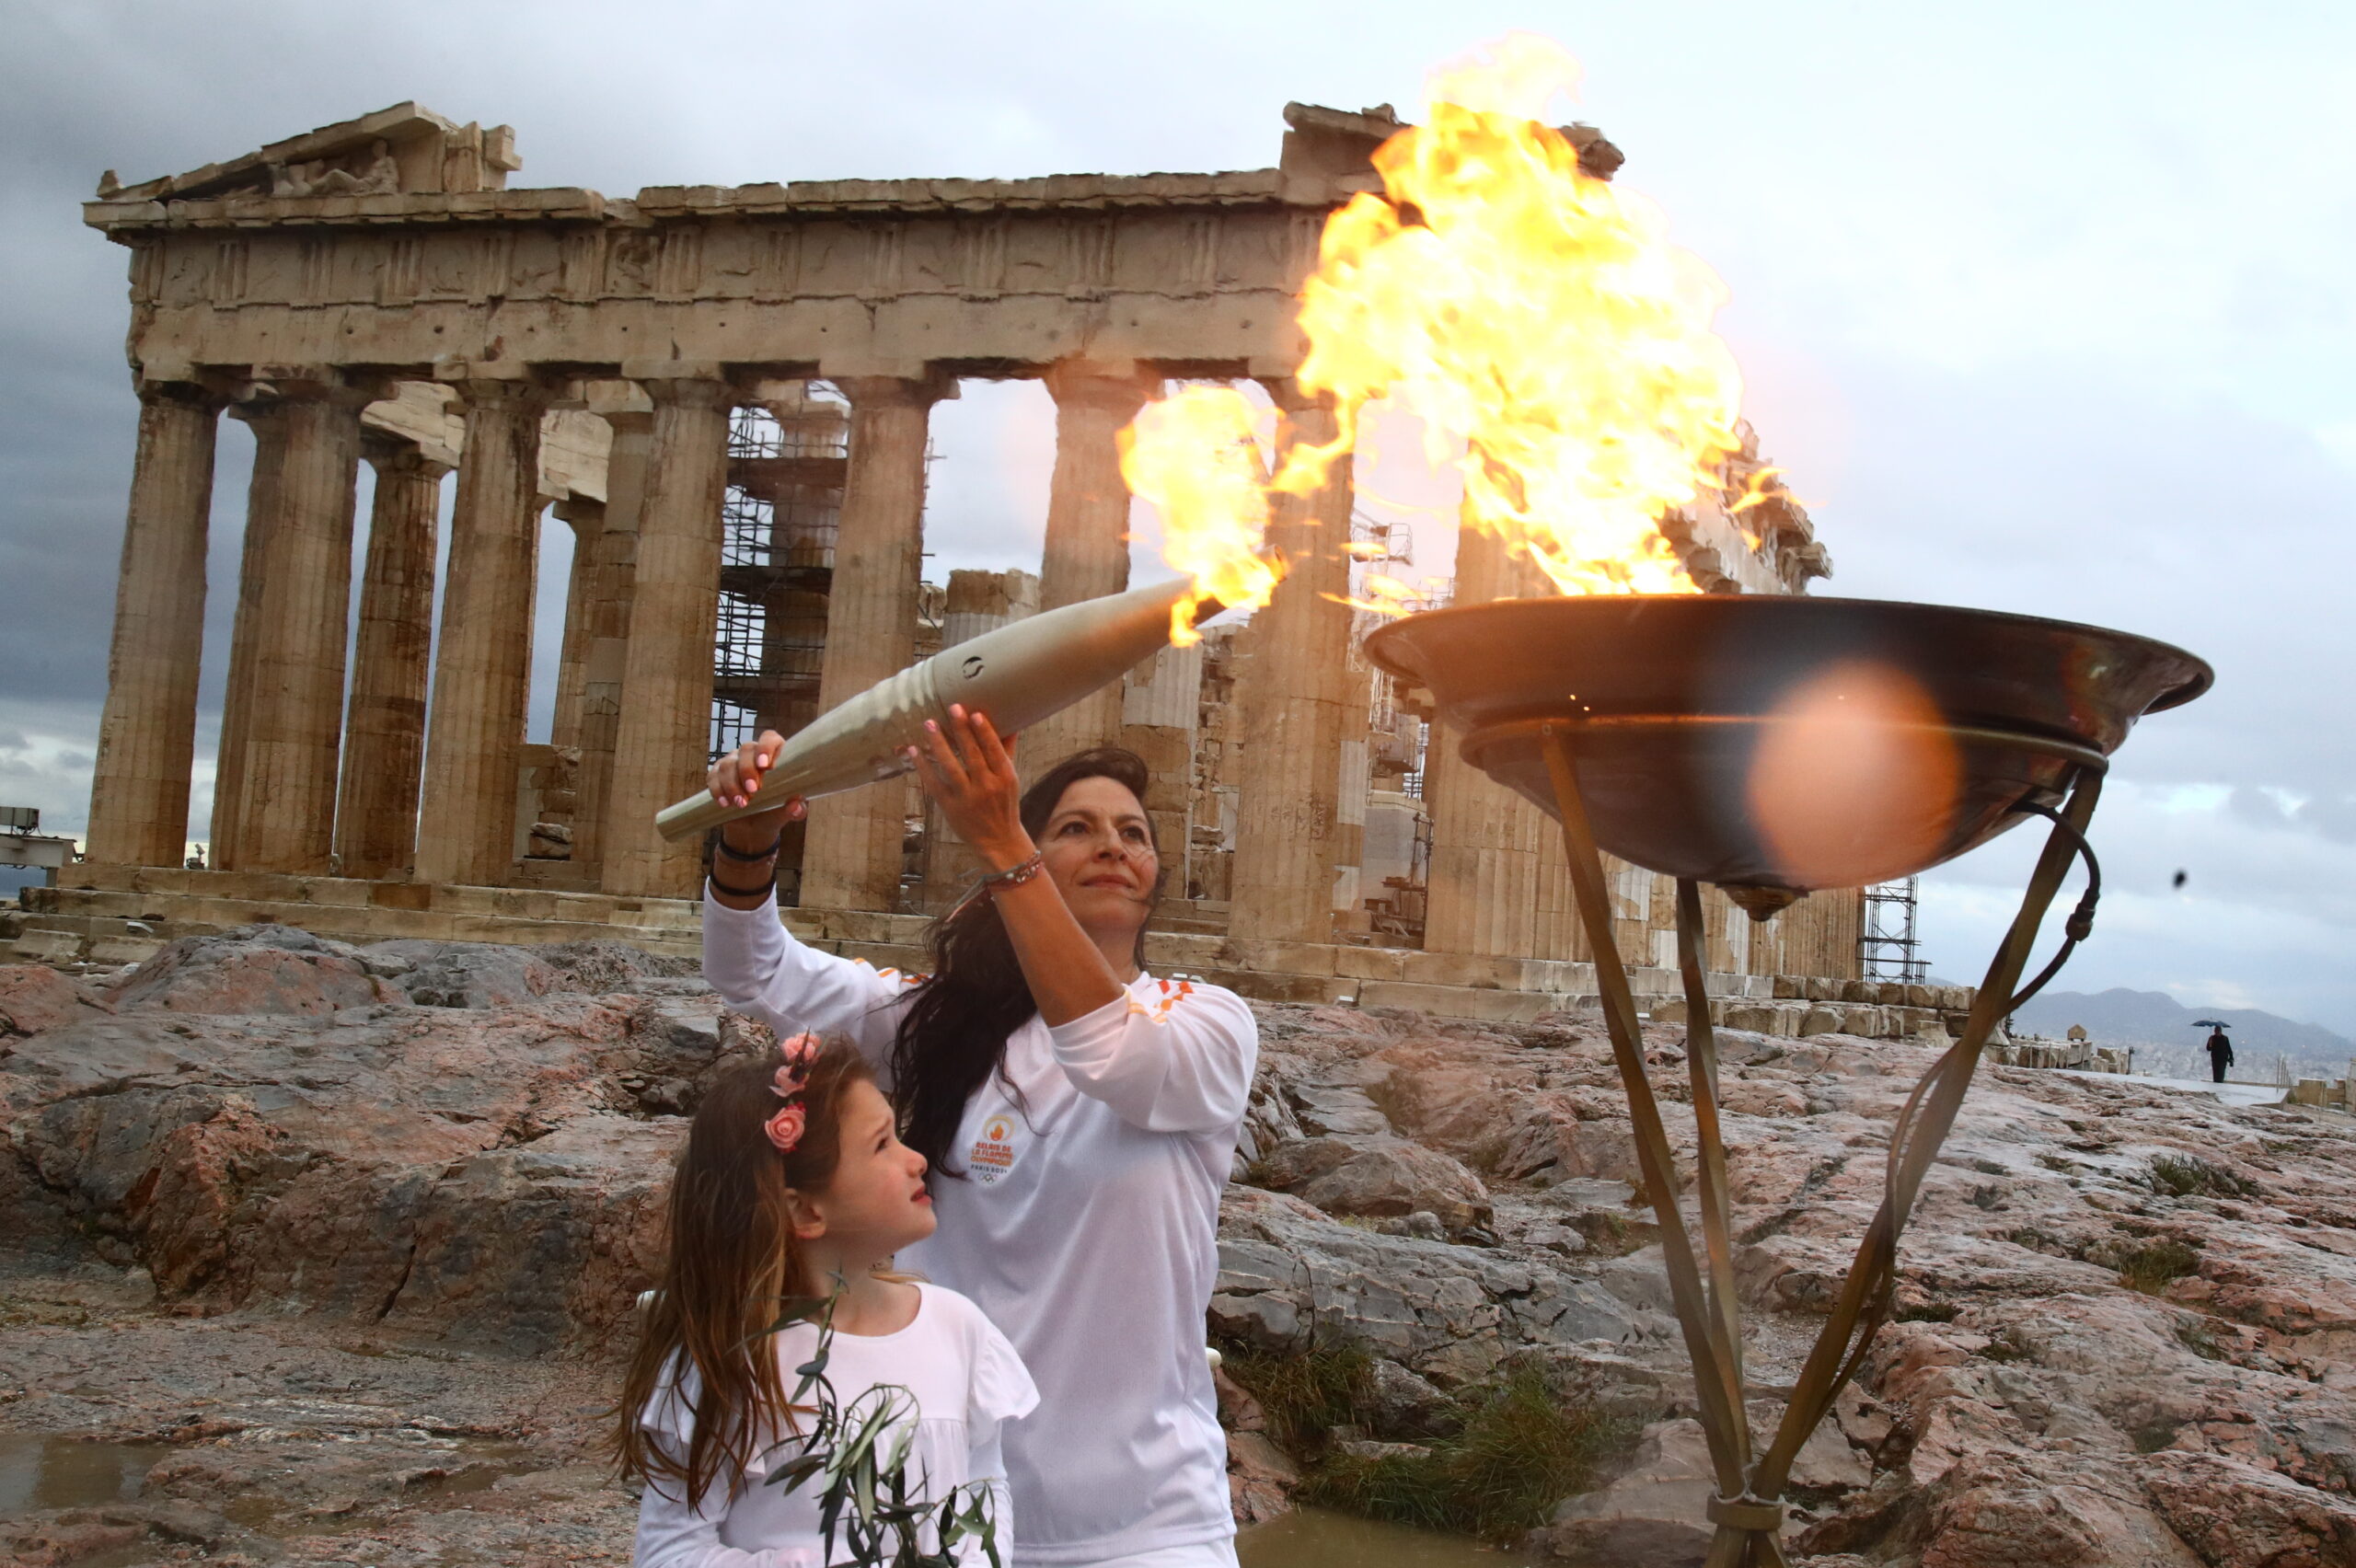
{"x": 2046, "y": 308}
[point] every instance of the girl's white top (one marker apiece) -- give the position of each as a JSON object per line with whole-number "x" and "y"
{"x": 966, "y": 1380}
{"x": 1086, "y": 1228}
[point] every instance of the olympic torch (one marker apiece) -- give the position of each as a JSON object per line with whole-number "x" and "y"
{"x": 1018, "y": 675}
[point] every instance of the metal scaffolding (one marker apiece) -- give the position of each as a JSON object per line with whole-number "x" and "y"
{"x": 1885, "y": 940}
{"x": 779, "y": 523}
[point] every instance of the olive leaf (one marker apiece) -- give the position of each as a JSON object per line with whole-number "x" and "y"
{"x": 858, "y": 1455}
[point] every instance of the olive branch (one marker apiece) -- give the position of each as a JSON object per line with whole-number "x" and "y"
{"x": 858, "y": 1456}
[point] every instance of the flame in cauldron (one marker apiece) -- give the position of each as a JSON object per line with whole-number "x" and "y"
{"x": 1556, "y": 346}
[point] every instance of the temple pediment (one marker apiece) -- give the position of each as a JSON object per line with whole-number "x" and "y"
{"x": 404, "y": 149}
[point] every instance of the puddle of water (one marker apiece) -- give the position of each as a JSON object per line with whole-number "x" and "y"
{"x": 39, "y": 1472}
{"x": 1316, "y": 1538}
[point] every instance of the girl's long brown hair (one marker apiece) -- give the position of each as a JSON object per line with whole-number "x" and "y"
{"x": 733, "y": 1260}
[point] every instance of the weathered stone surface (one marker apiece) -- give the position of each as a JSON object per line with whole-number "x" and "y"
{"x": 488, "y": 974}
{"x": 1379, "y": 1177}
{"x": 2012, "y": 1415}
{"x": 1259, "y": 1478}
{"x": 1451, "y": 1314}
{"x": 297, "y": 1439}
{"x": 1405, "y": 1403}
{"x": 260, "y": 969}
{"x": 493, "y": 1174}
{"x": 34, "y": 997}
{"x": 1649, "y": 1517}
{"x": 2239, "y": 1515}
{"x": 471, "y": 1192}
{"x": 1339, "y": 1110}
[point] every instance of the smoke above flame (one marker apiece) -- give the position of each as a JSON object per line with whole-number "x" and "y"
{"x": 1558, "y": 348}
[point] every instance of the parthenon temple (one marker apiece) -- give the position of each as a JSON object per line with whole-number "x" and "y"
{"x": 725, "y": 393}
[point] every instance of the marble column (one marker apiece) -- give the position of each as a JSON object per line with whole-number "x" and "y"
{"x": 482, "y": 664}
{"x": 607, "y": 632}
{"x": 147, "y": 731}
{"x": 302, "y": 622}
{"x": 383, "y": 749}
{"x": 1487, "y": 840}
{"x": 586, "y": 518}
{"x": 852, "y": 856}
{"x": 1087, "y": 550}
{"x": 662, "y": 743}
{"x": 264, "y": 416}
{"x": 1297, "y": 707}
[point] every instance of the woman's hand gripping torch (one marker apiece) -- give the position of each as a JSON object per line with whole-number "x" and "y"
{"x": 1018, "y": 675}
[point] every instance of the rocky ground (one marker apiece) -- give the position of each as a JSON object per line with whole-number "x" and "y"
{"x": 342, "y": 1242}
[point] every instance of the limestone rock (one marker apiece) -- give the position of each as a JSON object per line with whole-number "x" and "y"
{"x": 1651, "y": 1515}
{"x": 2237, "y": 1516}
{"x": 488, "y": 974}
{"x": 468, "y": 974}
{"x": 1405, "y": 1405}
{"x": 1451, "y": 1314}
{"x": 2104, "y": 1354}
{"x": 487, "y": 1172}
{"x": 2065, "y": 1310}
{"x": 1340, "y": 1110}
{"x": 545, "y": 1245}
{"x": 1269, "y": 1122}
{"x": 256, "y": 970}
{"x": 1260, "y": 1479}
{"x": 34, "y": 997}
{"x": 1379, "y": 1177}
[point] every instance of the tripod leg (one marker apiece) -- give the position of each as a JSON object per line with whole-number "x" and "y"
{"x": 1722, "y": 1414}
{"x": 1710, "y": 1161}
{"x": 1914, "y": 1142}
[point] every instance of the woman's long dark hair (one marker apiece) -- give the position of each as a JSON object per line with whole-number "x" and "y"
{"x": 953, "y": 1035}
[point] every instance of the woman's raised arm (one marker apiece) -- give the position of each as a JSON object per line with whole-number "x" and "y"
{"x": 971, "y": 773}
{"x": 748, "y": 955}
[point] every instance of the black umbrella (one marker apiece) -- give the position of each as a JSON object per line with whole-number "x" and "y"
{"x": 2211, "y": 1023}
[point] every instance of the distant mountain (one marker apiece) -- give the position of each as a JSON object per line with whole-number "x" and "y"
{"x": 2149, "y": 1019}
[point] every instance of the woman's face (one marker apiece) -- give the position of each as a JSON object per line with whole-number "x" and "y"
{"x": 1099, "y": 849}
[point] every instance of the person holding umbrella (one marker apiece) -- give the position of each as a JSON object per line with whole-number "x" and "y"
{"x": 2220, "y": 1050}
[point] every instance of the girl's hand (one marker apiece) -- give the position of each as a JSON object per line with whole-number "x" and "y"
{"x": 735, "y": 781}
{"x": 970, "y": 772}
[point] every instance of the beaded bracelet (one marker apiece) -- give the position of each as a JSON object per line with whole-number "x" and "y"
{"x": 1015, "y": 875}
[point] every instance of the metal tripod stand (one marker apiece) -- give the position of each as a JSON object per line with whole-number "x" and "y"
{"x": 1748, "y": 1510}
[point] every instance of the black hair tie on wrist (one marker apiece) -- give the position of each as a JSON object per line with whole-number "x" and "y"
{"x": 748, "y": 857}
{"x": 761, "y": 891}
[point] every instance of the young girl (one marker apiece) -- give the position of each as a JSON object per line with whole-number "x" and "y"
{"x": 794, "y": 1184}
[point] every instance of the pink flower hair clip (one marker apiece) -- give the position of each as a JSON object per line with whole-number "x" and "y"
{"x": 792, "y": 1074}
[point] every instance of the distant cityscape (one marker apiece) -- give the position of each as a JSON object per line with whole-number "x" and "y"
{"x": 2167, "y": 1040}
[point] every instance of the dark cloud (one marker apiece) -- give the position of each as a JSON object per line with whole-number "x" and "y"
{"x": 2333, "y": 815}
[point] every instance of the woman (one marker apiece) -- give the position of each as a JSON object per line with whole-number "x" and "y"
{"x": 1078, "y": 1117}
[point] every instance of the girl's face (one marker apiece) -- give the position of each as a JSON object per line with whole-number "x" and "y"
{"x": 876, "y": 1202}
{"x": 1099, "y": 851}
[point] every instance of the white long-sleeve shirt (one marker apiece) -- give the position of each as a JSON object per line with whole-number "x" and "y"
{"x": 966, "y": 1381}
{"x": 1087, "y": 1230}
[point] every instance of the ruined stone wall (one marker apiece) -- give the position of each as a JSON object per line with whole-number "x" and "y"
{"x": 373, "y": 289}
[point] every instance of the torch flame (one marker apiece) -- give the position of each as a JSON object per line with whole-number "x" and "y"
{"x": 1556, "y": 346}
{"x": 1195, "y": 457}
